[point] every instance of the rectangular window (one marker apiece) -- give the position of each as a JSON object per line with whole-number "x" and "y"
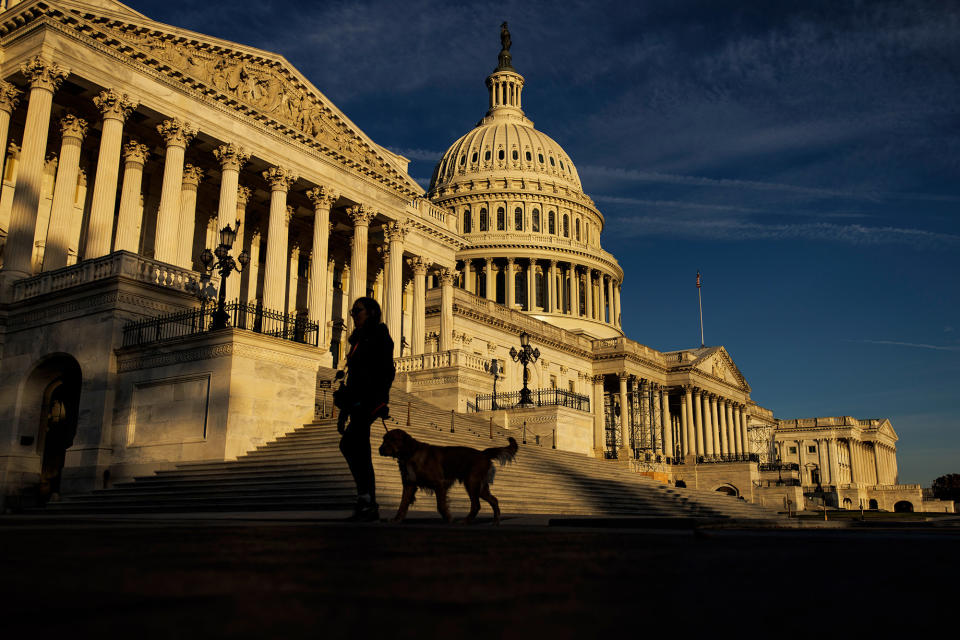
{"x": 811, "y": 449}
{"x": 793, "y": 450}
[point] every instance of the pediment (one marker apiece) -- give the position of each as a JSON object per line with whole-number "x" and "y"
{"x": 717, "y": 363}
{"x": 263, "y": 86}
{"x": 886, "y": 429}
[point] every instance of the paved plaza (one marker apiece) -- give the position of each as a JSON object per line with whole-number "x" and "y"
{"x": 296, "y": 575}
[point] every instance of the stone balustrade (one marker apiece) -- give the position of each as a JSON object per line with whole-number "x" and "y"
{"x": 439, "y": 359}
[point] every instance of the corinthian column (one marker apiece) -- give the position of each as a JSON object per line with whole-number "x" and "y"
{"x": 44, "y": 77}
{"x": 395, "y": 233}
{"x": 510, "y": 283}
{"x": 601, "y": 300}
{"x": 599, "y": 447}
{"x": 552, "y": 289}
{"x": 275, "y": 273}
{"x": 188, "y": 214}
{"x": 624, "y": 452}
{"x": 233, "y": 284}
{"x": 616, "y": 304}
{"x": 293, "y": 278}
{"x": 177, "y": 135}
{"x": 531, "y": 285}
{"x": 574, "y": 291}
{"x": 588, "y": 291}
{"x": 130, "y": 216}
{"x": 697, "y": 420}
{"x": 358, "y": 253}
{"x": 9, "y": 97}
{"x": 417, "y": 336}
{"x": 322, "y": 199}
{"x": 231, "y": 157}
{"x": 446, "y": 309}
{"x": 613, "y": 309}
{"x": 115, "y": 108}
{"x": 72, "y": 130}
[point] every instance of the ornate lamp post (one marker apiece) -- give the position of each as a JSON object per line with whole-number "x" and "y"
{"x": 225, "y": 265}
{"x": 526, "y": 356}
{"x": 494, "y": 368}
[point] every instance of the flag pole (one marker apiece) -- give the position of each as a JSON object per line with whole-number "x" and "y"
{"x": 700, "y": 298}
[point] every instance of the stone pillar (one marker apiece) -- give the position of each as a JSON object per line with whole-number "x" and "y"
{"x": 395, "y": 233}
{"x": 188, "y": 215}
{"x": 666, "y": 424}
{"x": 358, "y": 253}
{"x": 511, "y": 284}
{"x": 613, "y": 311}
{"x": 233, "y": 283}
{"x": 575, "y": 287}
{"x": 724, "y": 448}
{"x": 72, "y": 130}
{"x": 491, "y": 289}
{"x": 278, "y": 229}
{"x": 715, "y": 420}
{"x": 832, "y": 455}
{"x": 624, "y": 453}
{"x": 293, "y": 273}
{"x": 44, "y": 77}
{"x": 876, "y": 462}
{"x": 9, "y": 97}
{"x": 616, "y": 304}
{"x": 130, "y": 216}
{"x": 323, "y": 199}
{"x": 744, "y": 429}
{"x": 602, "y": 299}
{"x": 550, "y": 294}
{"x": 698, "y": 422}
{"x": 177, "y": 135}
{"x": 417, "y": 335}
{"x": 532, "y": 285}
{"x": 253, "y": 271}
{"x": 588, "y": 291}
{"x": 446, "y": 309}
{"x": 115, "y": 107}
{"x": 707, "y": 425}
{"x": 685, "y": 421}
{"x": 599, "y": 431}
{"x": 737, "y": 440}
{"x": 231, "y": 157}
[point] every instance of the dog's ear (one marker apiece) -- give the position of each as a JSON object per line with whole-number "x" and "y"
{"x": 407, "y": 444}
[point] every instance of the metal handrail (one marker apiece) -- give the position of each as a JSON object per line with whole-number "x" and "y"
{"x": 540, "y": 397}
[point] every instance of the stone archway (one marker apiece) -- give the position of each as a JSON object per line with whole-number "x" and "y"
{"x": 847, "y": 503}
{"x": 728, "y": 489}
{"x": 903, "y": 506}
{"x": 873, "y": 506}
{"x": 49, "y": 408}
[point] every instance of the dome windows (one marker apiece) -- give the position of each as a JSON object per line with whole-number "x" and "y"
{"x": 467, "y": 222}
{"x": 561, "y": 166}
{"x": 553, "y": 162}
{"x": 577, "y": 227}
{"x": 474, "y": 158}
{"x": 463, "y": 160}
{"x": 566, "y": 226}
{"x": 483, "y": 219}
{"x": 540, "y": 157}
{"x": 500, "y": 154}
{"x": 518, "y": 219}
{"x": 501, "y": 219}
{"x": 486, "y": 156}
{"x": 552, "y": 223}
{"x": 516, "y": 154}
{"x": 536, "y": 221}
{"x": 529, "y": 157}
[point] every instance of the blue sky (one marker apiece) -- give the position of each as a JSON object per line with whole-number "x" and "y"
{"x": 803, "y": 156}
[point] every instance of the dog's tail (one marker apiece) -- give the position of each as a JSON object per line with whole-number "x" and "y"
{"x": 503, "y": 455}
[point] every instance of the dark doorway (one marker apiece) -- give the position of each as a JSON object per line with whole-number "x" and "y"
{"x": 873, "y": 505}
{"x": 903, "y": 507}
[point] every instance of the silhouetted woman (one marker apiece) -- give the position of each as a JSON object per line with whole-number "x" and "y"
{"x": 370, "y": 373}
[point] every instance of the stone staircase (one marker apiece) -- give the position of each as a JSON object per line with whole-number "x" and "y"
{"x": 304, "y": 470}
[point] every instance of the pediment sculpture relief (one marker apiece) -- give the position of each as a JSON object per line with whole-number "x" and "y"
{"x": 259, "y": 86}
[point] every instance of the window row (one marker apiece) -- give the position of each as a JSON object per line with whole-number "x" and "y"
{"x": 483, "y": 223}
{"x": 515, "y": 155}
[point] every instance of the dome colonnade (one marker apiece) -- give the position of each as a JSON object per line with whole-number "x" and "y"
{"x": 313, "y": 248}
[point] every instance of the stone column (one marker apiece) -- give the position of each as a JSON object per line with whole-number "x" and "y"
{"x": 361, "y": 218}
{"x": 9, "y": 97}
{"x": 715, "y": 419}
{"x": 646, "y": 411}
{"x": 599, "y": 431}
{"x": 554, "y": 301}
{"x": 588, "y": 291}
{"x": 744, "y": 429}
{"x": 601, "y": 299}
{"x": 698, "y": 422}
{"x": 72, "y": 130}
{"x": 417, "y": 334}
{"x": 616, "y": 304}
{"x": 278, "y": 229}
{"x": 323, "y": 199}
{"x": 625, "y": 452}
{"x": 876, "y": 462}
{"x": 253, "y": 271}
{"x": 737, "y": 440}
{"x": 575, "y": 287}
{"x": 293, "y": 273}
{"x": 666, "y": 424}
{"x": 44, "y": 77}
{"x": 724, "y": 447}
{"x": 446, "y": 309}
{"x": 130, "y": 216}
{"x": 177, "y": 135}
{"x": 395, "y": 233}
{"x": 233, "y": 283}
{"x": 532, "y": 285}
{"x": 491, "y": 289}
{"x": 832, "y": 455}
{"x": 685, "y": 439}
{"x": 188, "y": 214}
{"x": 511, "y": 284}
{"x": 115, "y": 107}
{"x": 707, "y": 425}
{"x": 613, "y": 311}
{"x": 231, "y": 157}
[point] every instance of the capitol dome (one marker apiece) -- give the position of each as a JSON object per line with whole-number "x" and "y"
{"x": 533, "y": 235}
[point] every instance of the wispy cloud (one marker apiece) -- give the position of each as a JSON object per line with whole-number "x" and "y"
{"x": 691, "y": 205}
{"x": 425, "y": 155}
{"x": 917, "y": 345}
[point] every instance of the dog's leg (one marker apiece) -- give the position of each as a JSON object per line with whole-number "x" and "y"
{"x": 473, "y": 490}
{"x": 489, "y": 497}
{"x": 408, "y": 492}
{"x": 442, "y": 504}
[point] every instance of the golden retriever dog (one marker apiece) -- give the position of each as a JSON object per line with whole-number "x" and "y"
{"x": 436, "y": 468}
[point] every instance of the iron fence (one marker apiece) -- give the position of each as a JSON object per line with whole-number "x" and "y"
{"x": 779, "y": 466}
{"x": 250, "y": 317}
{"x": 540, "y": 397}
{"x": 743, "y": 457}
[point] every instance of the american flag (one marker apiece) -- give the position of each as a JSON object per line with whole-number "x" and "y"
{"x": 698, "y": 279}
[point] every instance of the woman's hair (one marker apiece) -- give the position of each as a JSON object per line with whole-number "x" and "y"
{"x": 372, "y": 307}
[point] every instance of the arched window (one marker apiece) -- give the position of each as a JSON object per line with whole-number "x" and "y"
{"x": 486, "y": 155}
{"x": 467, "y": 221}
{"x": 500, "y": 154}
{"x": 551, "y": 223}
{"x": 577, "y": 226}
{"x": 516, "y": 155}
{"x": 518, "y": 219}
{"x": 463, "y": 160}
{"x": 529, "y": 157}
{"x": 483, "y": 219}
{"x": 501, "y": 219}
{"x": 536, "y": 221}
{"x": 566, "y": 226}
{"x": 474, "y": 158}
{"x": 553, "y": 162}
{"x": 540, "y": 157}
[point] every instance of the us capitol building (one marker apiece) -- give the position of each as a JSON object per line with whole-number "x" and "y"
{"x": 133, "y": 149}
